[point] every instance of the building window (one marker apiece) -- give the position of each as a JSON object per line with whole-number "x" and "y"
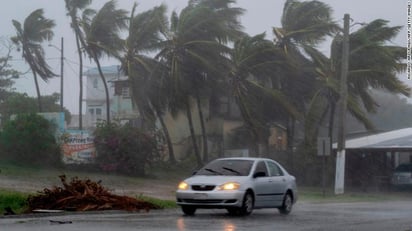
{"x": 95, "y": 114}
{"x": 95, "y": 83}
{"x": 98, "y": 113}
{"x": 125, "y": 92}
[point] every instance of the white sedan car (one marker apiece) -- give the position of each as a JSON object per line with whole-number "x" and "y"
{"x": 239, "y": 185}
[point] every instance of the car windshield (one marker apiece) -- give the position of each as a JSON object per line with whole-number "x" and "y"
{"x": 227, "y": 168}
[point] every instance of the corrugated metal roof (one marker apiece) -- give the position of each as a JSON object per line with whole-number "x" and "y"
{"x": 396, "y": 139}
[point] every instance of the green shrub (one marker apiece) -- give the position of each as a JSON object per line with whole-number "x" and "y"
{"x": 30, "y": 139}
{"x": 123, "y": 148}
{"x": 16, "y": 201}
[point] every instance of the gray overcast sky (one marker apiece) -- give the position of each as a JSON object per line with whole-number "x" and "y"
{"x": 261, "y": 16}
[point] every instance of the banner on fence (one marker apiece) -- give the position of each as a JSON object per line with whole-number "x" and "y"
{"x": 78, "y": 147}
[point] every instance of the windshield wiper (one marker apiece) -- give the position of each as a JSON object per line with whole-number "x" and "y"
{"x": 213, "y": 171}
{"x": 232, "y": 170}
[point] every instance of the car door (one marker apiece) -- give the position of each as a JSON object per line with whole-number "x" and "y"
{"x": 277, "y": 181}
{"x": 263, "y": 190}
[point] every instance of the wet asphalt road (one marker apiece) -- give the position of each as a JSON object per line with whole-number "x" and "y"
{"x": 385, "y": 216}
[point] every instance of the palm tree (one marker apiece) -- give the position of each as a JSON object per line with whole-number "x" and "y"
{"x": 381, "y": 67}
{"x": 29, "y": 36}
{"x": 192, "y": 48}
{"x": 145, "y": 73}
{"x": 101, "y": 30}
{"x": 325, "y": 96}
{"x": 304, "y": 24}
{"x": 373, "y": 64}
{"x": 226, "y": 28}
{"x": 73, "y": 7}
{"x": 254, "y": 64}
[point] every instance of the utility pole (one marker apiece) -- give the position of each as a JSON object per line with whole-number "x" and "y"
{"x": 61, "y": 74}
{"x": 340, "y": 158}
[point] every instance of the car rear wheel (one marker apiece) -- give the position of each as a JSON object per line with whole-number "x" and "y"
{"x": 287, "y": 204}
{"x": 247, "y": 205}
{"x": 188, "y": 210}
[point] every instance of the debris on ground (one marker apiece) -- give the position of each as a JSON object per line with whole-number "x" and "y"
{"x": 84, "y": 195}
{"x": 60, "y": 222}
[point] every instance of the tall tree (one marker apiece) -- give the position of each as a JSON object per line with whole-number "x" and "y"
{"x": 305, "y": 23}
{"x": 21, "y": 103}
{"x": 372, "y": 64}
{"x": 380, "y": 70}
{"x": 7, "y": 73}
{"x": 102, "y": 37}
{"x": 254, "y": 64}
{"x": 193, "y": 52}
{"x": 145, "y": 73}
{"x": 29, "y": 36}
{"x": 74, "y": 8}
{"x": 225, "y": 28}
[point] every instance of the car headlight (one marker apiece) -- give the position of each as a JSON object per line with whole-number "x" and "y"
{"x": 183, "y": 186}
{"x": 229, "y": 186}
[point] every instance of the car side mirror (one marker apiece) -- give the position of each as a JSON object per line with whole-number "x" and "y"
{"x": 259, "y": 174}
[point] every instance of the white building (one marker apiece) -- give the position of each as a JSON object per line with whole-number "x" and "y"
{"x": 119, "y": 94}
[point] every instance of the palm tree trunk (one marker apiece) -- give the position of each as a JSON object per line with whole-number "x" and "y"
{"x": 80, "y": 82}
{"x": 290, "y": 141}
{"x": 192, "y": 134}
{"x": 36, "y": 83}
{"x": 202, "y": 125}
{"x": 106, "y": 89}
{"x": 331, "y": 121}
{"x": 172, "y": 158}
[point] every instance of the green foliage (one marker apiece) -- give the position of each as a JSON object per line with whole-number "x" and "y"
{"x": 17, "y": 103}
{"x": 15, "y": 200}
{"x": 124, "y": 148}
{"x": 29, "y": 139}
{"x": 7, "y": 73}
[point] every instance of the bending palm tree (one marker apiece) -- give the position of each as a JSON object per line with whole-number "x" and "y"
{"x": 145, "y": 73}
{"x": 373, "y": 64}
{"x": 102, "y": 38}
{"x": 304, "y": 24}
{"x": 191, "y": 50}
{"x": 254, "y": 61}
{"x": 73, "y": 7}
{"x": 35, "y": 30}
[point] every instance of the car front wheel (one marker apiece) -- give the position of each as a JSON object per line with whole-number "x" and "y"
{"x": 247, "y": 205}
{"x": 188, "y": 210}
{"x": 287, "y": 204}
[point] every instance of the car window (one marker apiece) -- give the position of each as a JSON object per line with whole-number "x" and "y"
{"x": 274, "y": 169}
{"x": 261, "y": 167}
{"x": 227, "y": 168}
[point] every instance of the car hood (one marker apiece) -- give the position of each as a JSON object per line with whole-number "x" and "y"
{"x": 215, "y": 180}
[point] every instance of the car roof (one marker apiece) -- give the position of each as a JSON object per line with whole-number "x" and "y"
{"x": 244, "y": 158}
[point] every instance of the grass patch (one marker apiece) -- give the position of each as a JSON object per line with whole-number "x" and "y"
{"x": 317, "y": 195}
{"x": 164, "y": 204}
{"x": 17, "y": 201}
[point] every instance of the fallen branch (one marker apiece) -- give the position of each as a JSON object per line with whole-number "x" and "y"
{"x": 84, "y": 195}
